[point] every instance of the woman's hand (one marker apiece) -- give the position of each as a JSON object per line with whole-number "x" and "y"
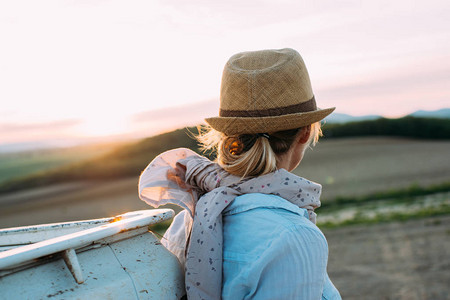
{"x": 177, "y": 175}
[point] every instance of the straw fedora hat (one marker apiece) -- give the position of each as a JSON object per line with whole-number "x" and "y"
{"x": 266, "y": 91}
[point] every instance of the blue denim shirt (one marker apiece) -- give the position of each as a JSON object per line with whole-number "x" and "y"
{"x": 272, "y": 251}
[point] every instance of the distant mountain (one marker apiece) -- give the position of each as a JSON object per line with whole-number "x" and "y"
{"x": 441, "y": 113}
{"x": 29, "y": 146}
{"x": 344, "y": 118}
{"x": 338, "y": 118}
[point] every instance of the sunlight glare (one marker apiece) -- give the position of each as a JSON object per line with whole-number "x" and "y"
{"x": 97, "y": 126}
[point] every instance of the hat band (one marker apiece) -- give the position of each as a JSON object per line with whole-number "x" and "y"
{"x": 307, "y": 106}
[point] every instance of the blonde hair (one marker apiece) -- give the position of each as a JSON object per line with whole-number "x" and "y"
{"x": 250, "y": 155}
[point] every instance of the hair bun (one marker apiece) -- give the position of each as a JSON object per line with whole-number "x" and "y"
{"x": 234, "y": 146}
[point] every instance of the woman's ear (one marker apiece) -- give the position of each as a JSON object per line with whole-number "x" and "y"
{"x": 304, "y": 134}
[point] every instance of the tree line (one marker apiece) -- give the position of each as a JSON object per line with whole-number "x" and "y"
{"x": 412, "y": 127}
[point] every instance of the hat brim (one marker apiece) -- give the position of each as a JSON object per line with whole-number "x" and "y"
{"x": 248, "y": 125}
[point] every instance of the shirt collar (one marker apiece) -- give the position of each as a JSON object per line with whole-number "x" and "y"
{"x": 258, "y": 200}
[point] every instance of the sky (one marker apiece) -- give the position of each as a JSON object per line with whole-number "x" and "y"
{"x": 80, "y": 71}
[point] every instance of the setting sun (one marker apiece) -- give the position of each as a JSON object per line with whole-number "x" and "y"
{"x": 103, "y": 125}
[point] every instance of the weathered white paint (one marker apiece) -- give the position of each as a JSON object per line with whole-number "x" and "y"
{"x": 36, "y": 233}
{"x": 82, "y": 238}
{"x": 71, "y": 260}
{"x": 128, "y": 262}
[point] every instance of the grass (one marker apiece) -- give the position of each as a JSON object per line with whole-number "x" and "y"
{"x": 23, "y": 164}
{"x": 361, "y": 219}
{"x": 399, "y": 205}
{"x": 160, "y": 228}
{"x": 18, "y": 166}
{"x": 405, "y": 194}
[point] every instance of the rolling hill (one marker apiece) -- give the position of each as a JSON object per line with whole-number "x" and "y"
{"x": 130, "y": 159}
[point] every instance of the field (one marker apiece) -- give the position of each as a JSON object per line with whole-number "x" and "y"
{"x": 19, "y": 164}
{"x": 393, "y": 260}
{"x": 360, "y": 166}
{"x": 345, "y": 167}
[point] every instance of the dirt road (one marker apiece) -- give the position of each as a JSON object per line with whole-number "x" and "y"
{"x": 407, "y": 260}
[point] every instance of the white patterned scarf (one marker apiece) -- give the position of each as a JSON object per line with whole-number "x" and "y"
{"x": 204, "y": 190}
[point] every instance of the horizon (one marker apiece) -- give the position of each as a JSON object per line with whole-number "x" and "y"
{"x": 131, "y": 70}
{"x": 50, "y": 145}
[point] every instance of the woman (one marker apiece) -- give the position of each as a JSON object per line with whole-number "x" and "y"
{"x": 247, "y": 231}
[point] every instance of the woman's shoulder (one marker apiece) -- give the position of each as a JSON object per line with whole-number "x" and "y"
{"x": 267, "y": 211}
{"x": 253, "y": 228}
